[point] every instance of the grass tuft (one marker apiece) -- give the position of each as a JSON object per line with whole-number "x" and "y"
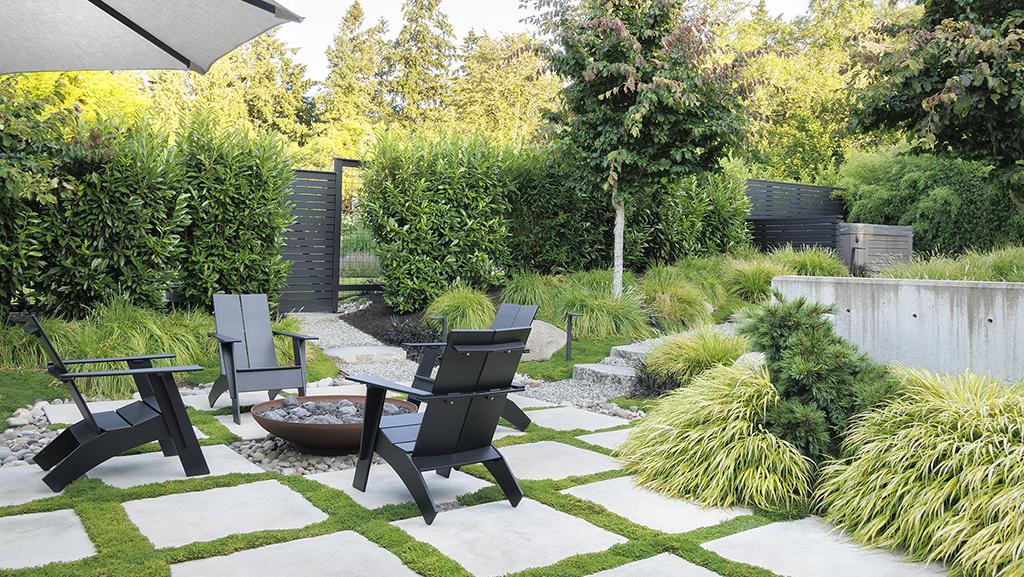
{"x": 465, "y": 308}
{"x": 684, "y": 357}
{"x": 810, "y": 261}
{"x": 751, "y": 280}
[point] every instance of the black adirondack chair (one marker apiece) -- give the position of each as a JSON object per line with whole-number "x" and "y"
{"x": 247, "y": 359}
{"x": 159, "y": 416}
{"x": 508, "y": 316}
{"x": 457, "y": 427}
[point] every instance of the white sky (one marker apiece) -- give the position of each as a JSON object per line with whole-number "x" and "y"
{"x": 315, "y": 33}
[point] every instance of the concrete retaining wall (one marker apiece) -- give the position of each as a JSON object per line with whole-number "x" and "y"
{"x": 948, "y": 326}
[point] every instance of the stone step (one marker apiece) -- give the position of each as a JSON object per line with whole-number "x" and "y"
{"x": 598, "y": 373}
{"x": 635, "y": 353}
{"x": 364, "y": 354}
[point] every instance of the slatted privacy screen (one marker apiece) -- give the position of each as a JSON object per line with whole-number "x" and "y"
{"x": 819, "y": 231}
{"x": 775, "y": 200}
{"x": 311, "y": 244}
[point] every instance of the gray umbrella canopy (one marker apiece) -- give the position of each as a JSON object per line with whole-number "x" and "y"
{"x": 56, "y": 35}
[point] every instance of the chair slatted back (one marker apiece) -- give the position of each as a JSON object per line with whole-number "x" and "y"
{"x": 247, "y": 317}
{"x": 510, "y": 316}
{"x": 468, "y": 422}
{"x": 56, "y": 366}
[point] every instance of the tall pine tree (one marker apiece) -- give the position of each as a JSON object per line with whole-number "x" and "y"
{"x": 418, "y": 65}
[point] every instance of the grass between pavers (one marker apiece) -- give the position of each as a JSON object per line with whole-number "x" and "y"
{"x": 584, "y": 351}
{"x": 122, "y": 551}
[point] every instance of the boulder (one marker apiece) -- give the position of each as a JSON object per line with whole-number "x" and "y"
{"x": 545, "y": 340}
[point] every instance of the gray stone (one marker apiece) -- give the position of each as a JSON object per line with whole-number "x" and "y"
{"x": 16, "y": 422}
{"x": 569, "y": 418}
{"x": 608, "y": 440}
{"x": 602, "y": 374}
{"x": 5, "y": 452}
{"x": 650, "y": 509}
{"x": 753, "y": 360}
{"x": 545, "y": 340}
{"x": 248, "y": 430}
{"x": 663, "y": 565}
{"x": 494, "y": 539}
{"x": 554, "y": 460}
{"x": 386, "y": 488}
{"x": 810, "y": 548}
{"x": 175, "y": 520}
{"x": 357, "y": 355}
{"x": 502, "y": 431}
{"x": 346, "y": 554}
{"x": 40, "y": 538}
{"x": 131, "y": 470}
{"x": 68, "y": 413}
{"x": 201, "y": 403}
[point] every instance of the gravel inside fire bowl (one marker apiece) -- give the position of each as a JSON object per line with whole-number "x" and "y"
{"x": 324, "y": 412}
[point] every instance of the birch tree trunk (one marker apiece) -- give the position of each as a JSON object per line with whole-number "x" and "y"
{"x": 620, "y": 225}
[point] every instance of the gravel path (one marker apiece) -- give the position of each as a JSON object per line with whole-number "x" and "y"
{"x": 333, "y": 331}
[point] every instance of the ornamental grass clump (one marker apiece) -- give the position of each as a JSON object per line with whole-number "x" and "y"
{"x": 706, "y": 443}
{"x": 602, "y": 314}
{"x": 939, "y": 472}
{"x": 751, "y": 280}
{"x": 464, "y": 307}
{"x": 683, "y": 357}
{"x": 531, "y": 288}
{"x": 810, "y": 261}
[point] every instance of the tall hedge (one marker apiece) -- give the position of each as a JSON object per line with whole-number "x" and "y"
{"x": 239, "y": 185}
{"x": 436, "y": 208}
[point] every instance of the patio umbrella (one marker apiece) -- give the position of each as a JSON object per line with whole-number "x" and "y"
{"x": 57, "y": 35}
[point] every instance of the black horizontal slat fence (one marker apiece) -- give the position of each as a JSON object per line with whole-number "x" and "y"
{"x": 312, "y": 243}
{"x": 784, "y": 213}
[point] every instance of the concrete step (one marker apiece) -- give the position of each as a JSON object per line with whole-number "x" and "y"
{"x": 635, "y": 353}
{"x": 599, "y": 373}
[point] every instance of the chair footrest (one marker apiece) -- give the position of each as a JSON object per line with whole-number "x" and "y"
{"x": 457, "y": 459}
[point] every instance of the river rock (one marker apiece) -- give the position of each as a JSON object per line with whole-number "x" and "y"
{"x": 545, "y": 340}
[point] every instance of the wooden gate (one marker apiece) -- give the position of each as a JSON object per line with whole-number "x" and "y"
{"x": 312, "y": 243}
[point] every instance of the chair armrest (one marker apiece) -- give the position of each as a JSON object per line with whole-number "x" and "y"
{"x": 224, "y": 339}
{"x": 119, "y": 359}
{"x": 296, "y": 336}
{"x": 514, "y": 388}
{"x": 424, "y": 345}
{"x": 380, "y": 383}
{"x": 130, "y": 372}
{"x": 498, "y": 348}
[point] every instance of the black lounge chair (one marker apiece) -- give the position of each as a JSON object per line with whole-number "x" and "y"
{"x": 509, "y": 316}
{"x": 247, "y": 359}
{"x": 159, "y": 416}
{"x": 457, "y": 427}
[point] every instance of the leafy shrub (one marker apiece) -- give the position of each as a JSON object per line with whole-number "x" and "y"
{"x": 810, "y": 261}
{"x": 1000, "y": 265}
{"x": 436, "y": 208}
{"x": 604, "y": 315}
{"x": 939, "y": 472}
{"x": 751, "y": 280}
{"x": 239, "y": 209}
{"x": 706, "y": 443}
{"x": 410, "y": 331}
{"x": 684, "y": 357}
{"x": 936, "y": 196}
{"x": 464, "y": 307}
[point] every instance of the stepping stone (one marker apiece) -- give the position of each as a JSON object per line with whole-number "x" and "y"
{"x": 358, "y": 390}
{"x": 359, "y": 355}
{"x": 68, "y": 413}
{"x": 663, "y": 565}
{"x": 811, "y": 548}
{"x": 570, "y": 418}
{"x": 22, "y": 484}
{"x": 175, "y": 520}
{"x": 41, "y": 538}
{"x": 131, "y": 470}
{"x": 386, "y": 488}
{"x": 554, "y": 460}
{"x": 502, "y": 431}
{"x": 529, "y": 402}
{"x": 202, "y": 402}
{"x": 248, "y": 430}
{"x": 495, "y": 539}
{"x": 651, "y": 509}
{"x": 345, "y": 554}
{"x": 609, "y": 440}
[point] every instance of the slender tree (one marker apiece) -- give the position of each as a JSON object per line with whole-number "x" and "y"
{"x": 418, "y": 64}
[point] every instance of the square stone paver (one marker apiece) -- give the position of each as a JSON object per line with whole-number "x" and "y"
{"x": 175, "y": 520}
{"x": 554, "y": 460}
{"x": 569, "y": 418}
{"x": 495, "y": 539}
{"x": 525, "y": 402}
{"x": 810, "y": 548}
{"x": 68, "y": 413}
{"x": 502, "y": 431}
{"x": 652, "y": 509}
{"x": 131, "y": 470}
{"x": 386, "y": 488}
{"x": 248, "y": 430}
{"x": 22, "y": 484}
{"x": 608, "y": 440}
{"x": 41, "y": 538}
{"x": 345, "y": 554}
{"x": 202, "y": 402}
{"x": 663, "y": 565}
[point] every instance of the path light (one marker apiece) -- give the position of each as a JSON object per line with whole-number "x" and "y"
{"x": 568, "y": 334}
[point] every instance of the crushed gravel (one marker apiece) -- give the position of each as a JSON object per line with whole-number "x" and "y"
{"x": 332, "y": 331}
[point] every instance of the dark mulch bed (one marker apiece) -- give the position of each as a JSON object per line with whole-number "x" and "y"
{"x": 378, "y": 321}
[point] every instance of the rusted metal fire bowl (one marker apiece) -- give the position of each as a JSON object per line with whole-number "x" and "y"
{"x": 315, "y": 438}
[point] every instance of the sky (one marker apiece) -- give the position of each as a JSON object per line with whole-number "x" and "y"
{"x": 496, "y": 17}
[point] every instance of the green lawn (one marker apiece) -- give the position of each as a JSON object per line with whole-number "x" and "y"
{"x": 20, "y": 387}
{"x": 583, "y": 351}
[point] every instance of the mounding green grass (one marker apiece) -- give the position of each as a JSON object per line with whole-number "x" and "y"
{"x": 684, "y": 357}
{"x": 938, "y": 472}
{"x": 705, "y": 443}
{"x": 1000, "y": 265}
{"x": 810, "y": 261}
{"x": 531, "y": 288}
{"x": 677, "y": 303}
{"x": 584, "y": 350}
{"x": 603, "y": 315}
{"x": 21, "y": 387}
{"x": 464, "y": 307}
{"x": 706, "y": 274}
{"x": 751, "y": 280}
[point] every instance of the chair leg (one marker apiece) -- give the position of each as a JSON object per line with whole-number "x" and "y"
{"x": 98, "y": 449}
{"x": 168, "y": 448}
{"x": 368, "y": 440}
{"x": 412, "y": 478}
{"x": 59, "y": 448}
{"x": 513, "y": 414}
{"x": 273, "y": 393}
{"x": 176, "y": 424}
{"x": 446, "y": 472}
{"x": 236, "y": 411}
{"x": 220, "y": 386}
{"x": 498, "y": 469}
